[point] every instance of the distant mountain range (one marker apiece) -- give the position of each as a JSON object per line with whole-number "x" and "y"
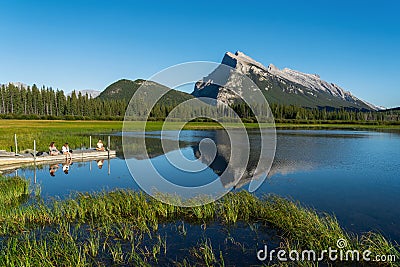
{"x": 393, "y": 109}
{"x": 16, "y": 84}
{"x": 282, "y": 86}
{"x": 90, "y": 93}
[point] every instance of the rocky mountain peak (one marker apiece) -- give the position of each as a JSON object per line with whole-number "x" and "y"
{"x": 272, "y": 68}
{"x": 242, "y": 60}
{"x": 281, "y": 85}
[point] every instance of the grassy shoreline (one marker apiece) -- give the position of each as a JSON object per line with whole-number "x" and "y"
{"x": 111, "y": 227}
{"x": 77, "y": 132}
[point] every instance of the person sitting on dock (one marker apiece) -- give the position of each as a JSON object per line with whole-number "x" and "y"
{"x": 100, "y": 146}
{"x": 53, "y": 151}
{"x": 66, "y": 151}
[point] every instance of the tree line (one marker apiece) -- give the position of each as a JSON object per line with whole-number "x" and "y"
{"x": 291, "y": 113}
{"x": 47, "y": 103}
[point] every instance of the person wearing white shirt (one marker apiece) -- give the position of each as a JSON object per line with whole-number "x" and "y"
{"x": 66, "y": 151}
{"x": 100, "y": 146}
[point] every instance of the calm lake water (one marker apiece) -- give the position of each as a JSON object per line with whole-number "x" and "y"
{"x": 351, "y": 174}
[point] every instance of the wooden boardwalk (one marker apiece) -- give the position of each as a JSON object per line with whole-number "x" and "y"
{"x": 9, "y": 161}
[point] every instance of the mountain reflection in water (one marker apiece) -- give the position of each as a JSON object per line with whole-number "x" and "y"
{"x": 232, "y": 169}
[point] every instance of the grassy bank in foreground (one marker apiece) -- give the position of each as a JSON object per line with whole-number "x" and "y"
{"x": 121, "y": 227}
{"x": 77, "y": 132}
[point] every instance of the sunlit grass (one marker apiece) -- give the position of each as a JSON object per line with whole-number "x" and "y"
{"x": 76, "y": 133}
{"x": 110, "y": 227}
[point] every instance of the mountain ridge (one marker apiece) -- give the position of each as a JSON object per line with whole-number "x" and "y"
{"x": 282, "y": 86}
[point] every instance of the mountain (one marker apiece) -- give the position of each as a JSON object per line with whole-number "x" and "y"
{"x": 16, "y": 84}
{"x": 124, "y": 90}
{"x": 281, "y": 86}
{"x": 392, "y": 109}
{"x": 91, "y": 93}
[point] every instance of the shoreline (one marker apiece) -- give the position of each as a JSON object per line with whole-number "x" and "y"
{"x": 9, "y": 123}
{"x": 77, "y": 132}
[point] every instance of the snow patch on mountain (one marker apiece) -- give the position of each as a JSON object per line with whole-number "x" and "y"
{"x": 311, "y": 82}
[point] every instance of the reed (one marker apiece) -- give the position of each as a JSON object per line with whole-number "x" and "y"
{"x": 13, "y": 190}
{"x": 205, "y": 253}
{"x": 112, "y": 228}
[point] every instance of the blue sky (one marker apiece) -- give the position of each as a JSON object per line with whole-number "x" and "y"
{"x": 90, "y": 44}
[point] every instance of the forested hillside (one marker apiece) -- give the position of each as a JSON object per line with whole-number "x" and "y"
{"x": 46, "y": 103}
{"x": 124, "y": 90}
{"x": 33, "y": 103}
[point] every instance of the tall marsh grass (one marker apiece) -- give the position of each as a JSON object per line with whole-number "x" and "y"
{"x": 110, "y": 228}
{"x": 12, "y": 190}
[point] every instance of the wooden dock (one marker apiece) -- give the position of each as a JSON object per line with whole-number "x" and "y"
{"x": 9, "y": 161}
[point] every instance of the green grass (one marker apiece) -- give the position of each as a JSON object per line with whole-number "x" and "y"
{"x": 44, "y": 132}
{"x": 12, "y": 190}
{"x": 111, "y": 228}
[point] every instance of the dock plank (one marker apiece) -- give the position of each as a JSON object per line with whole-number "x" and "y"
{"x": 7, "y": 162}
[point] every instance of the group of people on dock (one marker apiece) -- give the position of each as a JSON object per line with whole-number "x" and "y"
{"x": 65, "y": 150}
{"x": 53, "y": 151}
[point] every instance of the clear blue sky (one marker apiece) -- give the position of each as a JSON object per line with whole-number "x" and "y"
{"x": 90, "y": 44}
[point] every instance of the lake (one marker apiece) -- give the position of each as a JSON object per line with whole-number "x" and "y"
{"x": 351, "y": 174}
